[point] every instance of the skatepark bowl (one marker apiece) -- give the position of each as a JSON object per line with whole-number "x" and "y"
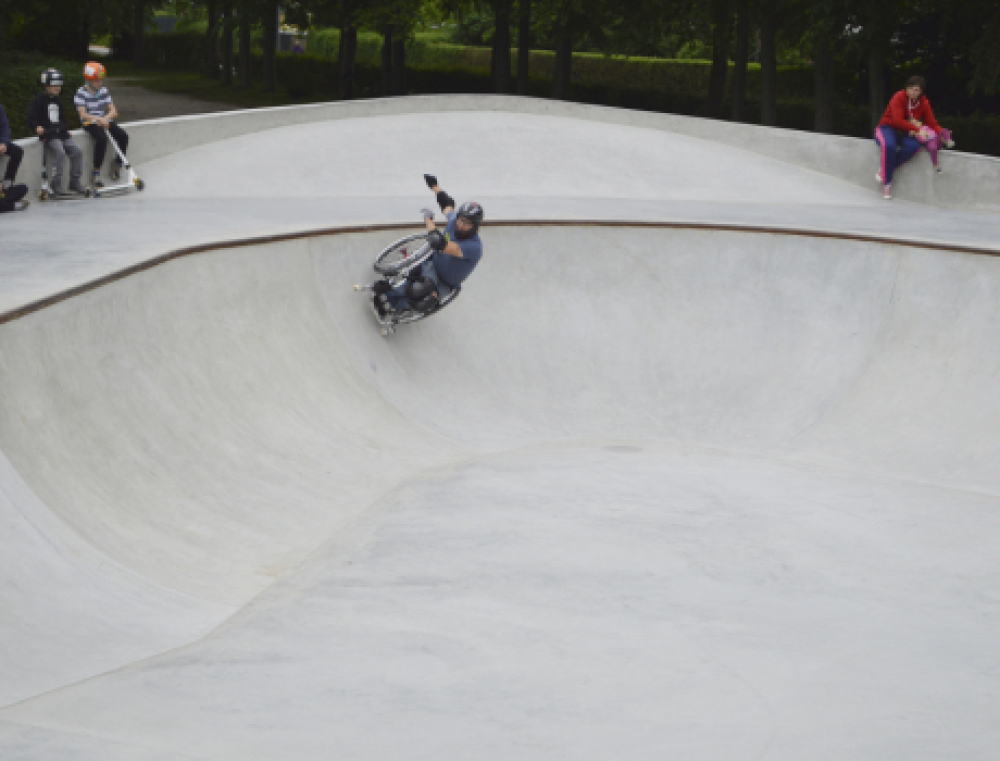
{"x": 652, "y": 488}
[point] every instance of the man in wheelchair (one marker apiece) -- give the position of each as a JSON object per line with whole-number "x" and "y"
{"x": 457, "y": 251}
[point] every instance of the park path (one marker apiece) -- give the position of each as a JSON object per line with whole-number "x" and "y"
{"x": 136, "y": 103}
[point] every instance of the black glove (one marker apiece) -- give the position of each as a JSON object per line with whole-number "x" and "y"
{"x": 436, "y": 240}
{"x": 431, "y": 180}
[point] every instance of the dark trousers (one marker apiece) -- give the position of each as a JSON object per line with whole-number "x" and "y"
{"x": 101, "y": 141}
{"x": 11, "y": 196}
{"x": 14, "y": 153}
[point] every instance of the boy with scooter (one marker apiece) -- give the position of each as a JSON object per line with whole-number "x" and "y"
{"x": 10, "y": 194}
{"x": 45, "y": 118}
{"x": 98, "y": 113}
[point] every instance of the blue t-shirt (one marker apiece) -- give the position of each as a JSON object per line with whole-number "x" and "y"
{"x": 451, "y": 269}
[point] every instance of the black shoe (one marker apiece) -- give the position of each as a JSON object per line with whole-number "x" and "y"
{"x": 381, "y": 307}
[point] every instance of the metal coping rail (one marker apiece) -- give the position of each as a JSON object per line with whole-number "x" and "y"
{"x": 77, "y": 290}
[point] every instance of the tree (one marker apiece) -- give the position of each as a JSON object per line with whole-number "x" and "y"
{"x": 523, "y": 45}
{"x": 270, "y": 43}
{"x": 500, "y": 59}
{"x": 212, "y": 39}
{"x": 877, "y": 16}
{"x": 226, "y": 71}
{"x": 768, "y": 64}
{"x": 722, "y": 35}
{"x": 568, "y": 21}
{"x": 742, "y": 58}
{"x": 246, "y": 22}
{"x": 985, "y": 54}
{"x": 827, "y": 21}
{"x": 138, "y": 30}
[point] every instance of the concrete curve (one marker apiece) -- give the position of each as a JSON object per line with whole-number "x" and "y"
{"x": 968, "y": 183}
{"x": 641, "y": 482}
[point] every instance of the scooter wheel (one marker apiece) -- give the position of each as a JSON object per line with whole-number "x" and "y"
{"x": 43, "y": 196}
{"x": 139, "y": 184}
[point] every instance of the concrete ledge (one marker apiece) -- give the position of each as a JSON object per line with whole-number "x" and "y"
{"x": 969, "y": 181}
{"x": 229, "y": 244}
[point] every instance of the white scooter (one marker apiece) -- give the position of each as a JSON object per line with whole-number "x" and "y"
{"x": 131, "y": 180}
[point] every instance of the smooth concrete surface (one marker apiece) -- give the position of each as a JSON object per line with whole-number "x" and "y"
{"x": 969, "y": 181}
{"x": 721, "y": 488}
{"x": 369, "y": 170}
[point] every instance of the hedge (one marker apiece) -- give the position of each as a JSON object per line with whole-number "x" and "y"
{"x": 20, "y": 84}
{"x": 187, "y": 51}
{"x": 677, "y": 87}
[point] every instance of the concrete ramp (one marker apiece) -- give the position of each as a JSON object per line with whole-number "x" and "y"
{"x": 643, "y": 491}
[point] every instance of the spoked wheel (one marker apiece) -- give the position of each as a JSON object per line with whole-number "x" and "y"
{"x": 403, "y": 254}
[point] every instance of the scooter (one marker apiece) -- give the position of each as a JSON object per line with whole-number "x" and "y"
{"x": 131, "y": 182}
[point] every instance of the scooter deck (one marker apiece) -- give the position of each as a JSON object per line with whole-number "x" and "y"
{"x": 46, "y": 196}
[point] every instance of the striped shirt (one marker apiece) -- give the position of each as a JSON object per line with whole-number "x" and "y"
{"x": 98, "y": 103}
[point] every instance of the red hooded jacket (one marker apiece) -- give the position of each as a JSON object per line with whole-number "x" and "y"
{"x": 901, "y": 109}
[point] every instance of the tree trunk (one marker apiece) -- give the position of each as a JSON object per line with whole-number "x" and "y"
{"x": 876, "y": 84}
{"x": 523, "y": 47}
{"x": 563, "y": 73}
{"x": 246, "y": 74}
{"x": 3, "y": 26}
{"x": 742, "y": 57}
{"x": 387, "y": 59}
{"x": 823, "y": 95}
{"x": 399, "y": 66}
{"x": 345, "y": 61}
{"x": 768, "y": 68}
{"x": 270, "y": 41}
{"x": 501, "y": 47}
{"x": 877, "y": 39}
{"x": 722, "y": 34}
{"x": 139, "y": 31}
{"x": 227, "y": 43}
{"x": 212, "y": 39}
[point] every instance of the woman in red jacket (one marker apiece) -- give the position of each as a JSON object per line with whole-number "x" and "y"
{"x": 896, "y": 134}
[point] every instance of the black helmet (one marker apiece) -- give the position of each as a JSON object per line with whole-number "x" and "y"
{"x": 51, "y": 77}
{"x": 421, "y": 294}
{"x": 473, "y": 212}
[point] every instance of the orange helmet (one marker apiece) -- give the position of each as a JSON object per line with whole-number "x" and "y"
{"x": 93, "y": 71}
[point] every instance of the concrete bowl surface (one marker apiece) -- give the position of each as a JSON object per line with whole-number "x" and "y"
{"x": 703, "y": 464}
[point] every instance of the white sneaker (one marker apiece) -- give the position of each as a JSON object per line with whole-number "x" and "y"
{"x": 21, "y": 205}
{"x": 878, "y": 178}
{"x": 887, "y": 192}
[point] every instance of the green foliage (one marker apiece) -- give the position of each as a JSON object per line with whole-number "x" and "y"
{"x": 986, "y": 57}
{"x": 20, "y": 84}
{"x": 678, "y": 87}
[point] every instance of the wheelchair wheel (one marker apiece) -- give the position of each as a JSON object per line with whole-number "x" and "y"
{"x": 403, "y": 254}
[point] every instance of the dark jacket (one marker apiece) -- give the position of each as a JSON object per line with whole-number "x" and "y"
{"x": 43, "y": 108}
{"x": 4, "y": 127}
